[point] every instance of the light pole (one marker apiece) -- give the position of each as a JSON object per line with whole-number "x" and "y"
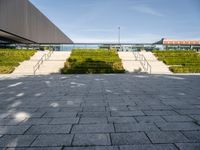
{"x": 119, "y": 34}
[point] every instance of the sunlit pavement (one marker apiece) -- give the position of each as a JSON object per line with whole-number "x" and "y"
{"x": 100, "y": 112}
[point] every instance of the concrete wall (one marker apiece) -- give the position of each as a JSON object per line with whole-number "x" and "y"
{"x": 23, "y": 19}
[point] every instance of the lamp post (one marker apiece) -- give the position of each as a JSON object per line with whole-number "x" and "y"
{"x": 119, "y": 34}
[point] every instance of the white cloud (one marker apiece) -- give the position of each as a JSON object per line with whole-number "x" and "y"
{"x": 147, "y": 10}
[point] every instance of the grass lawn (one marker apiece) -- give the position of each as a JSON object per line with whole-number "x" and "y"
{"x": 180, "y": 61}
{"x": 90, "y": 61}
{"x": 10, "y": 58}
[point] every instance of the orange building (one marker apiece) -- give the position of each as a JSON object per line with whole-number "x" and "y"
{"x": 179, "y": 44}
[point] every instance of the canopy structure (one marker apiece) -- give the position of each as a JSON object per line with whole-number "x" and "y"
{"x": 22, "y": 22}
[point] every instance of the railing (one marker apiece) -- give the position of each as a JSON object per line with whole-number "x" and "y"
{"x": 41, "y": 61}
{"x": 143, "y": 61}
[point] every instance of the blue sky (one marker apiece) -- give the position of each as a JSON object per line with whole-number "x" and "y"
{"x": 140, "y": 20}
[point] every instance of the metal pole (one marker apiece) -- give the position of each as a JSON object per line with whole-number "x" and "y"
{"x": 119, "y": 35}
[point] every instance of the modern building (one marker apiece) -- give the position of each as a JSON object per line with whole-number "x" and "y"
{"x": 178, "y": 44}
{"x": 22, "y": 22}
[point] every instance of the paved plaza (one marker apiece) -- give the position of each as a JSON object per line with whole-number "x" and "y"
{"x": 100, "y": 112}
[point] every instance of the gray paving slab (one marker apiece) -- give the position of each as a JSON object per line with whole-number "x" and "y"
{"x": 155, "y": 112}
{"x": 93, "y": 128}
{"x": 16, "y": 140}
{"x": 60, "y": 121}
{"x": 126, "y": 113}
{"x": 129, "y": 138}
{"x": 159, "y": 112}
{"x": 178, "y": 126}
{"x": 94, "y": 114}
{"x": 167, "y": 137}
{"x": 53, "y": 140}
{"x": 91, "y": 140}
{"x": 188, "y": 146}
{"x": 60, "y": 114}
{"x": 149, "y": 147}
{"x": 93, "y": 120}
{"x": 35, "y": 148}
{"x": 131, "y": 127}
{"x": 49, "y": 129}
{"x": 177, "y": 118}
{"x": 193, "y": 136}
{"x": 121, "y": 120}
{"x": 149, "y": 119}
{"x": 36, "y": 121}
{"x": 14, "y": 129}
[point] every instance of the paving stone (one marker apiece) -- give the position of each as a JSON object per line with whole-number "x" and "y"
{"x": 167, "y": 137}
{"x": 71, "y": 109}
{"x": 117, "y": 108}
{"x": 36, "y": 121}
{"x": 93, "y": 128}
{"x": 80, "y": 148}
{"x": 149, "y": 147}
{"x": 94, "y": 114}
{"x": 30, "y": 115}
{"x": 149, "y": 119}
{"x": 6, "y": 121}
{"x": 193, "y": 136}
{"x": 188, "y": 146}
{"x": 140, "y": 107}
{"x": 16, "y": 140}
{"x": 121, "y": 120}
{"x": 129, "y": 138}
{"x": 91, "y": 139}
{"x": 158, "y": 112}
{"x": 53, "y": 140}
{"x": 93, "y": 120}
{"x": 189, "y": 111}
{"x": 106, "y": 148}
{"x": 177, "y": 118}
{"x": 94, "y": 108}
{"x": 48, "y": 129}
{"x": 64, "y": 121}
{"x": 178, "y": 126}
{"x": 126, "y": 113}
{"x": 196, "y": 117}
{"x": 161, "y": 107}
{"x": 130, "y": 127}
{"x": 60, "y": 114}
{"x": 13, "y": 129}
{"x": 36, "y": 148}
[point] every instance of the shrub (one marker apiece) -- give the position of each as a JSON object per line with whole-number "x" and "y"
{"x": 11, "y": 58}
{"x": 180, "y": 61}
{"x": 89, "y": 61}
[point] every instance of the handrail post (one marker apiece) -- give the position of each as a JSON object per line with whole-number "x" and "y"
{"x": 41, "y": 61}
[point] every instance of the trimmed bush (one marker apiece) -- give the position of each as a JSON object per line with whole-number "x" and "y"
{"x": 180, "y": 61}
{"x": 90, "y": 61}
{"x": 11, "y": 58}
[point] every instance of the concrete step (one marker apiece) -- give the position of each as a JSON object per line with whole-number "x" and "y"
{"x": 129, "y": 62}
{"x": 52, "y": 65}
{"x": 158, "y": 67}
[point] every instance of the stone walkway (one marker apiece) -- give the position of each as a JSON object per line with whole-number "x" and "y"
{"x": 100, "y": 112}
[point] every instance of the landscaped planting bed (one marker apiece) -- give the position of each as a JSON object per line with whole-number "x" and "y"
{"x": 11, "y": 58}
{"x": 180, "y": 61}
{"x": 90, "y": 61}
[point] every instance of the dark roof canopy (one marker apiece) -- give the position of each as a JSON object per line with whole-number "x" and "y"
{"x": 21, "y": 21}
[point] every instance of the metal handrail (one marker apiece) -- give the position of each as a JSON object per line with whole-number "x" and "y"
{"x": 143, "y": 61}
{"x": 41, "y": 61}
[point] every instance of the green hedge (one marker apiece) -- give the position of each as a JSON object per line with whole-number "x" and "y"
{"x": 90, "y": 61}
{"x": 180, "y": 61}
{"x": 11, "y": 58}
